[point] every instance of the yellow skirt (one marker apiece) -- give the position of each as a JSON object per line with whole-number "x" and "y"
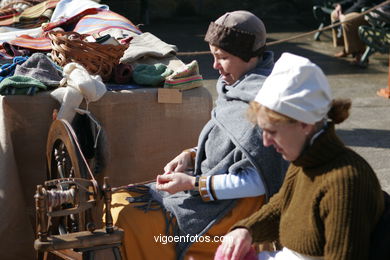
{"x": 145, "y": 231}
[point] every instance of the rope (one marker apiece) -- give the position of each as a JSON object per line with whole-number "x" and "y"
{"x": 299, "y": 35}
{"x": 129, "y": 186}
{"x": 93, "y": 180}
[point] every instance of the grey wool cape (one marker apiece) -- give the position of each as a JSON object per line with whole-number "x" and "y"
{"x": 227, "y": 144}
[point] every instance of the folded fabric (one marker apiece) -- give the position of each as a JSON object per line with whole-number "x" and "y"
{"x": 14, "y": 7}
{"x": 28, "y": 43}
{"x": 151, "y": 75}
{"x": 185, "y": 78}
{"x": 20, "y": 85}
{"x": 4, "y": 57}
{"x": 15, "y": 50}
{"x": 18, "y": 4}
{"x": 90, "y": 86}
{"x": 172, "y": 62}
{"x": 88, "y": 22}
{"x": 93, "y": 20}
{"x": 6, "y": 13}
{"x": 68, "y": 8}
{"x": 123, "y": 36}
{"x": 10, "y": 33}
{"x": 32, "y": 16}
{"x": 146, "y": 44}
{"x": 40, "y": 67}
{"x": 104, "y": 20}
{"x": 8, "y": 69}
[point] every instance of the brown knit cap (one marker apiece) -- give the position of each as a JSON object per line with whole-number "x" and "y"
{"x": 240, "y": 33}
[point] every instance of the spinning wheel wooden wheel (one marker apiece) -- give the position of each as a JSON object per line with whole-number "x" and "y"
{"x": 63, "y": 158}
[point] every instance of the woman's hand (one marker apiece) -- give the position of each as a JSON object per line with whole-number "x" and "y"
{"x": 180, "y": 163}
{"x": 236, "y": 244}
{"x": 175, "y": 182}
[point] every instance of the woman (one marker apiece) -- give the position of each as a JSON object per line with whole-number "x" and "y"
{"x": 233, "y": 173}
{"x": 330, "y": 199}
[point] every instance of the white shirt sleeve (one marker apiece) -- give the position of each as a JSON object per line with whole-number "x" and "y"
{"x": 246, "y": 183}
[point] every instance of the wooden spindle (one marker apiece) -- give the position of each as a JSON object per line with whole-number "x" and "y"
{"x": 107, "y": 201}
{"x": 41, "y": 211}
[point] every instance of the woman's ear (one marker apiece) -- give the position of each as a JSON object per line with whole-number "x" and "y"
{"x": 307, "y": 128}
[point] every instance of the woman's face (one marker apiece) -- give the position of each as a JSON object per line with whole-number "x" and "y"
{"x": 286, "y": 137}
{"x": 229, "y": 66}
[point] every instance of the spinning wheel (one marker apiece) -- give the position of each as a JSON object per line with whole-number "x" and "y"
{"x": 65, "y": 201}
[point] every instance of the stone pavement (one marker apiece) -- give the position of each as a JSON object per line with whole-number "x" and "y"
{"x": 367, "y": 130}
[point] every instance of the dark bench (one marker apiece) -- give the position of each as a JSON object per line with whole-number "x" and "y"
{"x": 321, "y": 11}
{"x": 376, "y": 35}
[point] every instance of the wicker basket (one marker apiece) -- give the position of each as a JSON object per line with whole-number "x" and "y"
{"x": 98, "y": 59}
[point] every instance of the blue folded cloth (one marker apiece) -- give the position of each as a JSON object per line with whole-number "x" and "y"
{"x": 8, "y": 69}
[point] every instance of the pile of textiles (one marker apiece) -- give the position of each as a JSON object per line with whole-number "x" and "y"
{"x": 51, "y": 27}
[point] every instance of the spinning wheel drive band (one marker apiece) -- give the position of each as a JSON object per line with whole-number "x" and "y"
{"x": 63, "y": 157}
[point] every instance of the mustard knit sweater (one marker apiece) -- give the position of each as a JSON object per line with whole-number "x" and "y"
{"x": 327, "y": 206}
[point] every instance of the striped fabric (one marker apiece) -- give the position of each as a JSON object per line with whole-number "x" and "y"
{"x": 31, "y": 17}
{"x": 88, "y": 22}
{"x": 104, "y": 20}
{"x": 69, "y": 22}
{"x": 185, "y": 82}
{"x": 18, "y": 3}
{"x": 186, "y": 78}
{"x": 28, "y": 42}
{"x": 8, "y": 13}
{"x": 94, "y": 20}
{"x": 10, "y": 9}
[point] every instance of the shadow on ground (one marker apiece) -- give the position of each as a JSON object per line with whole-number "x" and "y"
{"x": 363, "y": 137}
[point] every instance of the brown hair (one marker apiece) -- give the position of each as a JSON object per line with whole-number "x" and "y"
{"x": 338, "y": 112}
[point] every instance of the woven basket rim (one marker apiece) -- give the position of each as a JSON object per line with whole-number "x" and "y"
{"x": 98, "y": 59}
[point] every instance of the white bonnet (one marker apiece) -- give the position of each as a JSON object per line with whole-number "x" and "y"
{"x": 296, "y": 88}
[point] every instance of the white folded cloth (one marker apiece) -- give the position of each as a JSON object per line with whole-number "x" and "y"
{"x": 147, "y": 45}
